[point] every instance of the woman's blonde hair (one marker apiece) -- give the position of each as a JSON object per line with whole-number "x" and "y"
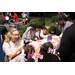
{"x": 8, "y": 36}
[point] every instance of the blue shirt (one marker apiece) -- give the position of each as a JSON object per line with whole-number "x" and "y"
{"x": 1, "y": 50}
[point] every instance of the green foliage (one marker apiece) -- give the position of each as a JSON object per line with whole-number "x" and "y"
{"x": 53, "y": 19}
{"x": 23, "y": 29}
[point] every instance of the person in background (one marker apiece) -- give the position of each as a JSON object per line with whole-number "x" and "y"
{"x": 3, "y": 15}
{"x": 67, "y": 15}
{"x": 11, "y": 45}
{"x": 1, "y": 19}
{"x": 10, "y": 18}
{"x": 28, "y": 16}
{"x": 59, "y": 12}
{"x": 24, "y": 15}
{"x": 16, "y": 20}
{"x": 6, "y": 17}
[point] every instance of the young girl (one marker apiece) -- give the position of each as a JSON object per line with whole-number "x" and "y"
{"x": 28, "y": 54}
{"x": 29, "y": 34}
{"x": 11, "y": 45}
{"x": 41, "y": 34}
{"x": 43, "y": 31}
{"x": 47, "y": 53}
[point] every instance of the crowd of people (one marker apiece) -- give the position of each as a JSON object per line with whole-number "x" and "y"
{"x": 8, "y": 18}
{"x": 28, "y": 48}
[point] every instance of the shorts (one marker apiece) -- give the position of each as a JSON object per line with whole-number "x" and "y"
{"x": 24, "y": 18}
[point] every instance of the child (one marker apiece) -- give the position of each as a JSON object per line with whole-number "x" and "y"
{"x": 43, "y": 31}
{"x": 41, "y": 34}
{"x": 54, "y": 31}
{"x": 29, "y": 34}
{"x": 28, "y": 53}
{"x": 47, "y": 53}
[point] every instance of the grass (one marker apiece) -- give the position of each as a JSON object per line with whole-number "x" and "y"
{"x": 47, "y": 23}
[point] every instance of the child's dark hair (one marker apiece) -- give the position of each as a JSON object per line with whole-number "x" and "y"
{"x": 43, "y": 27}
{"x": 29, "y": 50}
{"x": 45, "y": 47}
{"x": 52, "y": 28}
{"x": 59, "y": 17}
{"x": 37, "y": 25}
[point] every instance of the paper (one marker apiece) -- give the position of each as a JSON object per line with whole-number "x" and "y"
{"x": 43, "y": 41}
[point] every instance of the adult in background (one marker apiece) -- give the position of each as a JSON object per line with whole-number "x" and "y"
{"x": 28, "y": 16}
{"x": 24, "y": 15}
{"x": 1, "y": 19}
{"x": 16, "y": 20}
{"x": 6, "y": 17}
{"x": 3, "y": 15}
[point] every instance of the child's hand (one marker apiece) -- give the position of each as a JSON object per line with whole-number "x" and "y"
{"x": 38, "y": 40}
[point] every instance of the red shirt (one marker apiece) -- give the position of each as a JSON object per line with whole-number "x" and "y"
{"x": 16, "y": 17}
{"x": 3, "y": 17}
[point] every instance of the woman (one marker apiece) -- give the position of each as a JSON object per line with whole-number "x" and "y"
{"x": 24, "y": 15}
{"x": 29, "y": 34}
{"x": 11, "y": 45}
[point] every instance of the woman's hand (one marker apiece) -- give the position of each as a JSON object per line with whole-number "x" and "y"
{"x": 21, "y": 47}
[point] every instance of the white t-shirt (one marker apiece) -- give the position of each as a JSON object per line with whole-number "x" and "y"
{"x": 8, "y": 49}
{"x": 24, "y": 15}
{"x": 41, "y": 34}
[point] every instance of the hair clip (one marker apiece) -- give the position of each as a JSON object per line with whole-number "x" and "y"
{"x": 40, "y": 56}
{"x": 50, "y": 50}
{"x": 42, "y": 46}
{"x": 30, "y": 45}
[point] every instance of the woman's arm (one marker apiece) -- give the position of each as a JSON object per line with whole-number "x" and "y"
{"x": 15, "y": 52}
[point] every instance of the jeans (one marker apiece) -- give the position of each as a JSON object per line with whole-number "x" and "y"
{"x": 17, "y": 25}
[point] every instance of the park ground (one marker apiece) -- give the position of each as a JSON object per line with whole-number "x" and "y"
{"x": 48, "y": 23}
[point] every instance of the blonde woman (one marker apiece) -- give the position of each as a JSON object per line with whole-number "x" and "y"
{"x": 11, "y": 45}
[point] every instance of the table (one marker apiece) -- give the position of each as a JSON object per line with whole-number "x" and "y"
{"x": 54, "y": 41}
